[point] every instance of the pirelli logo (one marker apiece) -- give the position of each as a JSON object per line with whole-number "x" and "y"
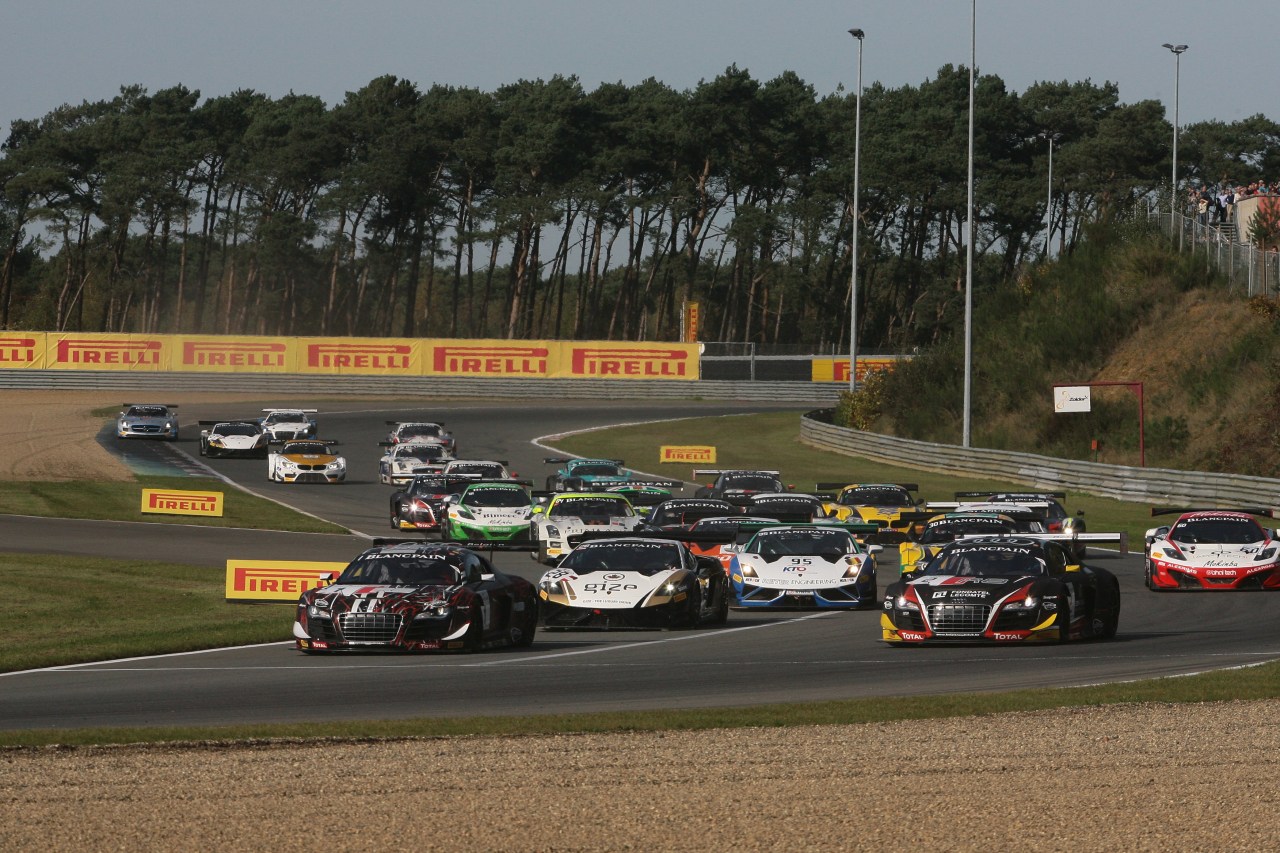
{"x": 107, "y": 352}
{"x": 215, "y": 353}
{"x": 276, "y": 580}
{"x": 631, "y": 363}
{"x": 175, "y": 502}
{"x": 490, "y": 360}
{"x": 17, "y": 351}
{"x": 695, "y": 454}
{"x": 352, "y": 356}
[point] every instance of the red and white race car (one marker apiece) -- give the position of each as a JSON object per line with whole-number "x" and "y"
{"x": 1212, "y": 549}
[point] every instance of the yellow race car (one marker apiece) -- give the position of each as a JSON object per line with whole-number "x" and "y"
{"x": 881, "y": 503}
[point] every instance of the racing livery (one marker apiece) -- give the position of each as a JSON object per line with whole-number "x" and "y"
{"x": 883, "y": 503}
{"x": 918, "y": 548}
{"x": 480, "y": 469}
{"x": 431, "y": 432}
{"x": 306, "y": 460}
{"x": 633, "y": 582}
{"x": 640, "y": 493}
{"x": 233, "y": 438}
{"x": 401, "y": 461}
{"x": 284, "y": 424}
{"x": 738, "y": 486}
{"x": 570, "y": 517}
{"x": 803, "y": 566}
{"x": 148, "y": 420}
{"x": 1212, "y": 549}
{"x": 416, "y": 597}
{"x": 420, "y": 504}
{"x": 681, "y": 513}
{"x": 1001, "y": 589}
{"x": 785, "y": 506}
{"x": 585, "y": 475}
{"x": 489, "y": 511}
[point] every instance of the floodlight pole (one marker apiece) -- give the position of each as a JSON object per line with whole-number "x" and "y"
{"x": 853, "y": 277}
{"x": 1177, "y": 50}
{"x": 968, "y": 276}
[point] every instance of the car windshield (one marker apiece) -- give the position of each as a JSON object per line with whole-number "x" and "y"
{"x": 779, "y": 543}
{"x": 596, "y": 469}
{"x": 989, "y": 561}
{"x": 688, "y": 515}
{"x": 147, "y": 411}
{"x": 644, "y": 557}
{"x": 421, "y": 431}
{"x": 419, "y": 452}
{"x": 1217, "y": 531}
{"x": 429, "y": 486}
{"x": 284, "y": 418}
{"x": 589, "y": 505}
{"x": 307, "y": 448}
{"x": 236, "y": 429}
{"x": 397, "y": 570}
{"x": 876, "y": 496}
{"x": 496, "y": 497}
{"x": 948, "y": 529}
{"x": 488, "y": 470}
{"x": 752, "y": 482}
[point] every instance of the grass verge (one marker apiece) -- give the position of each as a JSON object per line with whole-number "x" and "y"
{"x": 117, "y": 501}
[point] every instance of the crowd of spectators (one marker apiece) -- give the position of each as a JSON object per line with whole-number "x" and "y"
{"x": 1215, "y": 205}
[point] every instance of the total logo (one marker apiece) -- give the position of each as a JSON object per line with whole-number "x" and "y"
{"x": 912, "y": 635}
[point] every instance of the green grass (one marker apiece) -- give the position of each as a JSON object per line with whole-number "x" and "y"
{"x": 116, "y": 501}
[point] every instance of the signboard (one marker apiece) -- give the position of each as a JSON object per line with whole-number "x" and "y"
{"x": 180, "y": 502}
{"x": 697, "y": 454}
{"x": 837, "y": 369}
{"x": 1070, "y": 398}
{"x": 692, "y": 315}
{"x": 255, "y": 581}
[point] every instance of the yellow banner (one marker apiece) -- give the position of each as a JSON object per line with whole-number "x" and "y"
{"x": 837, "y": 369}
{"x": 488, "y": 358}
{"x": 276, "y": 580}
{"x": 372, "y": 356}
{"x": 695, "y": 454}
{"x": 178, "y": 502}
{"x": 22, "y": 350}
{"x": 234, "y": 354}
{"x": 610, "y": 360}
{"x": 80, "y": 351}
{"x": 692, "y": 316}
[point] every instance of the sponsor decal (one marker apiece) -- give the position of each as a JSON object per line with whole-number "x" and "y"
{"x": 498, "y": 360}
{"x": 216, "y": 353}
{"x": 619, "y": 362}
{"x": 608, "y": 588}
{"x": 696, "y": 454}
{"x": 837, "y": 369}
{"x": 913, "y": 635}
{"x": 276, "y": 580}
{"x": 1001, "y": 635}
{"x": 175, "y": 502}
{"x": 17, "y": 351}
{"x": 108, "y": 353}
{"x": 338, "y": 356}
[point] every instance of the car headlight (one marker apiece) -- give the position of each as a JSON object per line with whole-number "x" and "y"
{"x": 440, "y": 611}
{"x": 904, "y": 603}
{"x": 337, "y": 465}
{"x": 555, "y": 587}
{"x": 288, "y": 465}
{"x": 748, "y": 571}
{"x": 1028, "y": 603}
{"x": 1267, "y": 554}
{"x": 319, "y": 610}
{"x": 553, "y": 531}
{"x": 855, "y": 567}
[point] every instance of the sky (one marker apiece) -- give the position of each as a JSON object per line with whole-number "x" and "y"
{"x": 68, "y": 51}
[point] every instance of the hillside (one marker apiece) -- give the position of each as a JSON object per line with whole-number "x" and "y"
{"x": 1128, "y": 311}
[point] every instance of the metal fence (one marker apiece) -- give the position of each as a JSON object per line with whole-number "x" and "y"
{"x": 1254, "y": 272}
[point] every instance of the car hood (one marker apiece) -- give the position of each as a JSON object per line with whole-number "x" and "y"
{"x": 799, "y": 572}
{"x": 310, "y": 458}
{"x": 949, "y": 589}
{"x": 615, "y": 590}
{"x": 356, "y": 598}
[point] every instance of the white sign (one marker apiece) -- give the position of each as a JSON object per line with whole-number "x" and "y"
{"x": 1071, "y": 398}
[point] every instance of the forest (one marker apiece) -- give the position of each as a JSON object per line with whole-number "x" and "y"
{"x": 541, "y": 210}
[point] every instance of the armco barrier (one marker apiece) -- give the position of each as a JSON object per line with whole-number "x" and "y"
{"x": 805, "y": 393}
{"x": 1142, "y": 485}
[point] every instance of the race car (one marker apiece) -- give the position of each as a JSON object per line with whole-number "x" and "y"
{"x": 148, "y": 420}
{"x": 738, "y": 486}
{"x": 483, "y": 469}
{"x": 633, "y": 582}
{"x": 1056, "y": 517}
{"x": 283, "y": 424}
{"x": 567, "y": 518}
{"x": 417, "y": 597}
{"x": 420, "y": 504}
{"x": 785, "y": 506}
{"x": 787, "y": 566}
{"x": 879, "y": 502}
{"x": 490, "y": 512}
{"x": 681, "y": 513}
{"x": 402, "y": 461}
{"x": 916, "y": 549}
{"x": 404, "y": 432}
{"x": 1212, "y": 549}
{"x": 733, "y": 528}
{"x": 585, "y": 475}
{"x": 1001, "y": 589}
{"x": 306, "y": 460}
{"x": 233, "y": 438}
{"x": 640, "y": 493}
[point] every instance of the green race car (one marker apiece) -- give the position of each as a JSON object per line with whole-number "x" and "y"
{"x": 490, "y": 512}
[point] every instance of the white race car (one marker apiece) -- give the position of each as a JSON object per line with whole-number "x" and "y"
{"x": 1212, "y": 549}
{"x": 404, "y": 432}
{"x": 232, "y": 438}
{"x": 306, "y": 460}
{"x": 284, "y": 424}
{"x": 402, "y": 461}
{"x": 803, "y": 566}
{"x": 570, "y": 517}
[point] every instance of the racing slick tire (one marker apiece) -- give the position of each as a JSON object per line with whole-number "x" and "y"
{"x": 721, "y": 614}
{"x": 553, "y": 483}
{"x": 1064, "y": 627}
{"x": 529, "y": 628}
{"x": 475, "y": 632}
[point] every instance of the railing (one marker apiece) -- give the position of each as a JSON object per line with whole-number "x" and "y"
{"x": 1255, "y": 272}
{"x": 1141, "y": 485}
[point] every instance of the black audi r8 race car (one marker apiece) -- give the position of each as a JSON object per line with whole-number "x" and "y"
{"x": 417, "y": 597}
{"x": 1001, "y": 589}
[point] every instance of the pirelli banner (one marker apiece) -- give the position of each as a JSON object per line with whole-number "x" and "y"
{"x": 837, "y": 369}
{"x": 354, "y": 356}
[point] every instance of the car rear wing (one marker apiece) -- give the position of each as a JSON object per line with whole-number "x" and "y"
{"x": 166, "y": 405}
{"x": 840, "y": 485}
{"x": 1012, "y": 497}
{"x": 1121, "y": 538}
{"x": 1265, "y": 512}
{"x": 716, "y": 472}
{"x": 397, "y": 423}
{"x": 563, "y": 460}
{"x": 301, "y": 411}
{"x": 238, "y": 422}
{"x": 699, "y": 537}
{"x": 987, "y": 506}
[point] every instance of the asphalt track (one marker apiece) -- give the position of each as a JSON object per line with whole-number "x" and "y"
{"x": 758, "y": 658}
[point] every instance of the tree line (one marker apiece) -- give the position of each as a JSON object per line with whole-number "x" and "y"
{"x": 541, "y": 210}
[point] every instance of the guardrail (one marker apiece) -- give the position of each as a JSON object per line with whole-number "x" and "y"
{"x": 807, "y": 393}
{"x": 1141, "y": 485}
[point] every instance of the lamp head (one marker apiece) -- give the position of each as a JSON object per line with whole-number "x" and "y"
{"x": 856, "y": 33}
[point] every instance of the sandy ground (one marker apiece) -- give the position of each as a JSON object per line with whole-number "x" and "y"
{"x": 1141, "y": 777}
